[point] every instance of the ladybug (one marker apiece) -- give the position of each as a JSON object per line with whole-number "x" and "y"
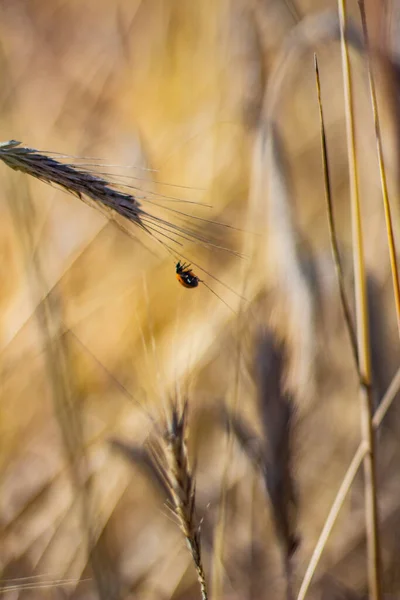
{"x": 185, "y": 275}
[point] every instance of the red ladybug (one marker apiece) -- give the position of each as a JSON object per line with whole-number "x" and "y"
{"x": 185, "y": 275}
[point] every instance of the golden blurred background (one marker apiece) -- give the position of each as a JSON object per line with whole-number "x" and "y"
{"x": 175, "y": 98}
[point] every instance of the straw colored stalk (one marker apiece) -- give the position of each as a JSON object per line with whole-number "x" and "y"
{"x": 363, "y": 341}
{"x": 362, "y": 337}
{"x": 345, "y": 486}
{"x": 382, "y": 171}
{"x": 331, "y": 222}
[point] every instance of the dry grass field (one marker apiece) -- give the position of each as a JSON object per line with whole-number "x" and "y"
{"x": 160, "y": 442}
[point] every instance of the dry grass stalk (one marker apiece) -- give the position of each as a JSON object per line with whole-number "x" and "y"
{"x": 331, "y": 519}
{"x": 382, "y": 171}
{"x": 345, "y": 486}
{"x": 371, "y": 503}
{"x": 173, "y": 462}
{"x": 332, "y": 228}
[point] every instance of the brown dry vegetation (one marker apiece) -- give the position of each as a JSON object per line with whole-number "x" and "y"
{"x": 97, "y": 338}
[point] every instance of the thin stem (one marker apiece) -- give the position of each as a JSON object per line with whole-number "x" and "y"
{"x": 382, "y": 172}
{"x": 371, "y": 508}
{"x": 345, "y": 487}
{"x": 331, "y": 519}
{"x": 332, "y": 228}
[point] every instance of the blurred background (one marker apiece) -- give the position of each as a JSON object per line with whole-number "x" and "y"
{"x": 174, "y": 99}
